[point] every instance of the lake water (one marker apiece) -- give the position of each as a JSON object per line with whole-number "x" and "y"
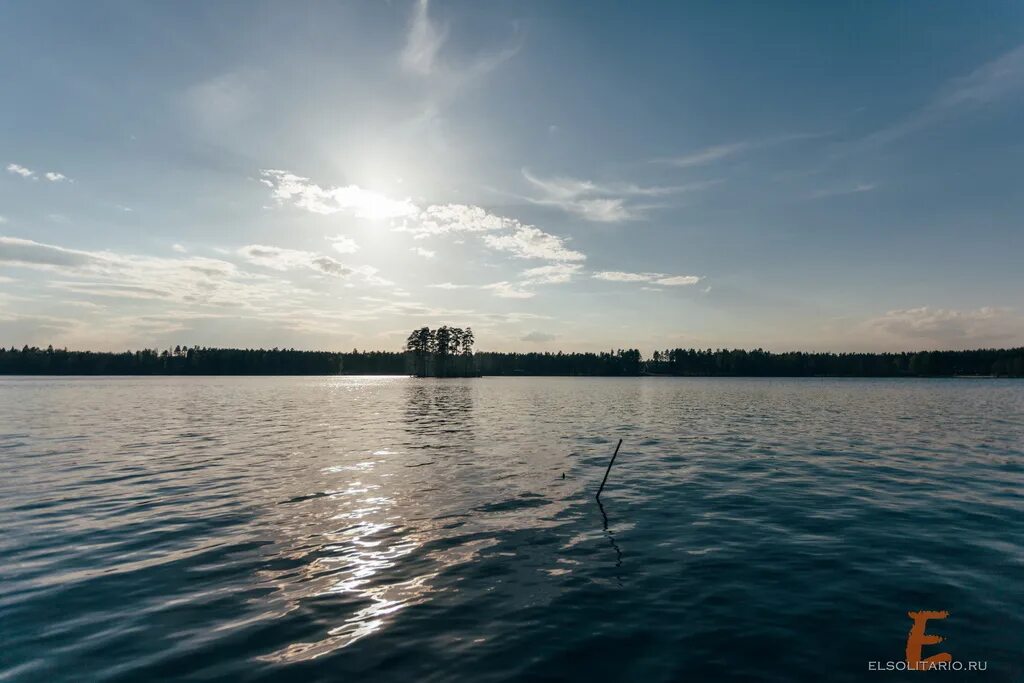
{"x": 394, "y": 529}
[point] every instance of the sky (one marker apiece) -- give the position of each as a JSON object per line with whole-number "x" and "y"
{"x": 578, "y": 175}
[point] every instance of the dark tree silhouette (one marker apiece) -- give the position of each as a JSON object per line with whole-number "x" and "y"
{"x": 445, "y": 352}
{"x": 421, "y": 345}
{"x": 451, "y": 353}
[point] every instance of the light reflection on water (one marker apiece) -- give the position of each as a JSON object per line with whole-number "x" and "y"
{"x": 317, "y": 528}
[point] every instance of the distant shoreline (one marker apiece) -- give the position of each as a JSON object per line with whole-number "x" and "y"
{"x": 513, "y": 376}
{"x": 216, "y": 362}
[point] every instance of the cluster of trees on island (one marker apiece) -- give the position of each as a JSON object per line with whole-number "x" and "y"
{"x": 444, "y": 352}
{"x": 448, "y": 352}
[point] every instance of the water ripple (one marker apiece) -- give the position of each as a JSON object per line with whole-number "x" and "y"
{"x": 398, "y": 529}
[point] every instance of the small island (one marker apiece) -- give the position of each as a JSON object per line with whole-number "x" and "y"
{"x": 444, "y": 352}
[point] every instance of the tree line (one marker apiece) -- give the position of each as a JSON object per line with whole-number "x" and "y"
{"x": 448, "y": 352}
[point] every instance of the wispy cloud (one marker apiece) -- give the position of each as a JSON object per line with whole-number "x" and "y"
{"x": 276, "y": 258}
{"x": 653, "y": 278}
{"x": 716, "y": 153}
{"x": 554, "y": 274}
{"x": 507, "y": 290}
{"x": 987, "y": 85}
{"x": 55, "y": 177}
{"x": 949, "y": 328}
{"x": 24, "y": 252}
{"x": 619, "y": 276}
{"x": 282, "y": 259}
{"x": 425, "y": 253}
{"x": 678, "y": 280}
{"x": 421, "y": 54}
{"x": 837, "y": 191}
{"x": 450, "y": 285}
{"x": 993, "y": 81}
{"x": 423, "y": 41}
{"x": 600, "y": 202}
{"x": 708, "y": 155}
{"x": 188, "y": 280}
{"x": 343, "y": 244}
{"x": 135, "y": 299}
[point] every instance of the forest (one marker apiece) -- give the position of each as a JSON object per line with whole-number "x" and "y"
{"x": 448, "y": 352}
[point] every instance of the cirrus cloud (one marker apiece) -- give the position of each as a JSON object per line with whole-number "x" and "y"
{"x": 654, "y": 278}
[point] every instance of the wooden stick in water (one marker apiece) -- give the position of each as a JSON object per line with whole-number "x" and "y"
{"x": 608, "y": 471}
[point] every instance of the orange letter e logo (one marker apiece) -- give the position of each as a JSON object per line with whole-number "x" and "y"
{"x": 918, "y": 638}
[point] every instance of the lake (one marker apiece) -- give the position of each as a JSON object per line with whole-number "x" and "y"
{"x": 395, "y": 529}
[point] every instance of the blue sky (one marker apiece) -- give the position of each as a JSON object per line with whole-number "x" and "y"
{"x": 840, "y": 176}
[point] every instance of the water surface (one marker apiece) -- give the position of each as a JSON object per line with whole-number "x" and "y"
{"x": 369, "y": 528}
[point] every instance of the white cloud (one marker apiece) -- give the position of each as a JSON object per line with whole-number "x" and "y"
{"x": 369, "y": 275}
{"x": 530, "y": 242}
{"x": 536, "y": 336}
{"x": 449, "y": 285}
{"x": 440, "y": 219}
{"x": 191, "y": 281}
{"x": 24, "y": 252}
{"x": 178, "y": 248}
{"x": 604, "y": 210}
{"x": 361, "y": 203}
{"x": 52, "y": 176}
{"x": 654, "y": 278}
{"x": 554, "y": 274}
{"x": 425, "y": 253}
{"x": 619, "y": 276}
{"x": 122, "y": 300}
{"x": 21, "y": 170}
{"x": 678, "y": 280}
{"x": 330, "y": 266}
{"x": 343, "y": 244}
{"x": 276, "y": 258}
{"x": 950, "y": 328}
{"x": 521, "y": 240}
{"x": 507, "y": 290}
{"x": 3, "y": 220}
{"x": 282, "y": 259}
{"x": 423, "y": 42}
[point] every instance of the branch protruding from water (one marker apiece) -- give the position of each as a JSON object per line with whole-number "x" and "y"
{"x": 608, "y": 471}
